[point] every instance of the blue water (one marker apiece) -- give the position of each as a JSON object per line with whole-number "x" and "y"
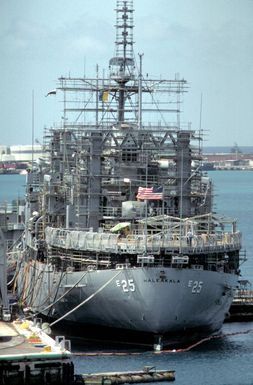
{"x": 11, "y": 187}
{"x": 234, "y": 198}
{"x": 227, "y": 149}
{"x": 218, "y": 362}
{"x": 224, "y": 361}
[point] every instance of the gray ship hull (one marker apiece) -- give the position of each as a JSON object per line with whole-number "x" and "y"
{"x": 155, "y": 300}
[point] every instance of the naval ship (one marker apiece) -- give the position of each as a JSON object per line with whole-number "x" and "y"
{"x": 120, "y": 230}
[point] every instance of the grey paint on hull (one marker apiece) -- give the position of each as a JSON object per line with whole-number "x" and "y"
{"x": 154, "y": 299}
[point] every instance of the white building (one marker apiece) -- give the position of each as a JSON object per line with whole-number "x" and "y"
{"x": 3, "y": 151}
{"x": 26, "y": 153}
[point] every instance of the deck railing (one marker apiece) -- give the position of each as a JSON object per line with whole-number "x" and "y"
{"x": 137, "y": 243}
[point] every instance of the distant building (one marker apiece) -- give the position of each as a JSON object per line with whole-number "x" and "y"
{"x": 20, "y": 153}
{"x": 26, "y": 153}
{"x": 228, "y": 161}
{"x": 15, "y": 158}
{"x": 3, "y": 151}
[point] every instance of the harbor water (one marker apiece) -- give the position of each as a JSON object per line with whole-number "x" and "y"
{"x": 222, "y": 361}
{"x": 11, "y": 187}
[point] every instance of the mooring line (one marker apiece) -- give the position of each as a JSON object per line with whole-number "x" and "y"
{"x": 86, "y": 300}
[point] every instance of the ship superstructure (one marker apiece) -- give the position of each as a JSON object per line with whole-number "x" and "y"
{"x": 119, "y": 214}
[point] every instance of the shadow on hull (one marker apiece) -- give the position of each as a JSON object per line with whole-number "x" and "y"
{"x": 96, "y": 337}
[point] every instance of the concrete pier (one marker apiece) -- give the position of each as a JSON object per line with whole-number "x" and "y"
{"x": 29, "y": 356}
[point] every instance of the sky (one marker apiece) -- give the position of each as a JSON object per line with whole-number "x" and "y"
{"x": 208, "y": 42}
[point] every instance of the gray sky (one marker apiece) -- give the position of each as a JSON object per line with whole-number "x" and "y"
{"x": 208, "y": 42}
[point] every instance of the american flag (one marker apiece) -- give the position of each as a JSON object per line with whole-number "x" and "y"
{"x": 150, "y": 193}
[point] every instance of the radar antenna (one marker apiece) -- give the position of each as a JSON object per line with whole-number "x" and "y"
{"x": 122, "y": 65}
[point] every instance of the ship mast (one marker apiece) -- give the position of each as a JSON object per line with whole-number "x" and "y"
{"x": 122, "y": 64}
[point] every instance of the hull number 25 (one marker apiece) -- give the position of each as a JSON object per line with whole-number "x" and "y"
{"x": 126, "y": 285}
{"x": 196, "y": 286}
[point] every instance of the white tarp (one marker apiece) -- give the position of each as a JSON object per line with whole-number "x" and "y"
{"x": 99, "y": 241}
{"x": 82, "y": 240}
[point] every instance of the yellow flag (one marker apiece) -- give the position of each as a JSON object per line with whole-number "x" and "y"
{"x": 105, "y": 96}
